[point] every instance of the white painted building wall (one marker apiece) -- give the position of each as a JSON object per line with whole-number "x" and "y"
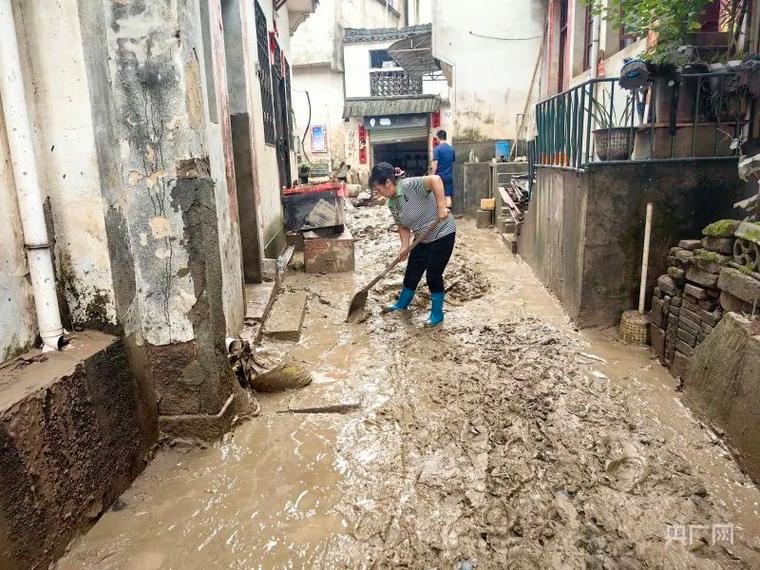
{"x": 320, "y": 69}
{"x": 420, "y": 12}
{"x": 319, "y": 40}
{"x": 18, "y": 326}
{"x": 358, "y": 69}
{"x": 371, "y": 13}
{"x": 268, "y": 189}
{"x": 59, "y": 99}
{"x": 492, "y": 77}
{"x": 66, "y": 128}
{"x": 325, "y": 88}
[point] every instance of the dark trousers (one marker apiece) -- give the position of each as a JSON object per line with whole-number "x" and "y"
{"x": 430, "y": 258}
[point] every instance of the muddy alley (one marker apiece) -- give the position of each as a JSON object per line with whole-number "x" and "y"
{"x": 503, "y": 439}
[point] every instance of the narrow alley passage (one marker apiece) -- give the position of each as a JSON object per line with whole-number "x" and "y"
{"x": 504, "y": 439}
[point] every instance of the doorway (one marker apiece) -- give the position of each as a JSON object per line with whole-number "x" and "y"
{"x": 411, "y": 156}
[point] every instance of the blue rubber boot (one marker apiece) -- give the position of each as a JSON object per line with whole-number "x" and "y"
{"x": 402, "y": 304}
{"x": 436, "y": 313}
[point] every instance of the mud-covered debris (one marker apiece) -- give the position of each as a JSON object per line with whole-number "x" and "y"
{"x": 287, "y": 376}
{"x": 509, "y": 456}
{"x": 331, "y": 409}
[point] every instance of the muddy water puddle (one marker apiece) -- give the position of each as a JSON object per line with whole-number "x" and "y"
{"x": 504, "y": 439}
{"x": 262, "y": 498}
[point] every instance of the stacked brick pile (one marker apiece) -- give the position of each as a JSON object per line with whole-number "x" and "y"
{"x": 686, "y": 305}
{"x": 706, "y": 278}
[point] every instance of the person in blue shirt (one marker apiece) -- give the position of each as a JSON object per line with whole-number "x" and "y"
{"x": 443, "y": 165}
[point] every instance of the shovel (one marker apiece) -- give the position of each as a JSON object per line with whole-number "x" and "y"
{"x": 359, "y": 300}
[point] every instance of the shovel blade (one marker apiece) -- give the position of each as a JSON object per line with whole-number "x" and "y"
{"x": 358, "y": 302}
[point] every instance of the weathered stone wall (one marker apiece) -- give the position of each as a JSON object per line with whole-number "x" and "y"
{"x": 584, "y": 231}
{"x": 164, "y": 153}
{"x": 71, "y": 441}
{"x": 722, "y": 385}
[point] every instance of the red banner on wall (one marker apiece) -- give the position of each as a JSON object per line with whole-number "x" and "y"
{"x": 435, "y": 119}
{"x": 362, "y": 145}
{"x": 272, "y": 46}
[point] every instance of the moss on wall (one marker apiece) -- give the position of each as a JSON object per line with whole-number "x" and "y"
{"x": 721, "y": 228}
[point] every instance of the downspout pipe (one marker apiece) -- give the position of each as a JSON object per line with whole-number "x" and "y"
{"x": 596, "y": 32}
{"x": 26, "y": 179}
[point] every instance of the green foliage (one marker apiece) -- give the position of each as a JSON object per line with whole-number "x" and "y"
{"x": 671, "y": 20}
{"x": 751, "y": 233}
{"x": 600, "y": 110}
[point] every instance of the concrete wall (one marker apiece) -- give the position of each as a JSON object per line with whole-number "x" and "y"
{"x": 356, "y": 62}
{"x": 222, "y": 166}
{"x": 420, "y": 12}
{"x": 552, "y": 238}
{"x": 492, "y": 77}
{"x": 73, "y": 436}
{"x": 583, "y": 232}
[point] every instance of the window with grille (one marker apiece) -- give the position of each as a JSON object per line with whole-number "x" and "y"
{"x": 391, "y": 83}
{"x": 288, "y": 95}
{"x": 265, "y": 75}
{"x": 563, "y": 11}
{"x": 280, "y": 94}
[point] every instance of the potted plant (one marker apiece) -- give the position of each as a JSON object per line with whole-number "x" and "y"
{"x": 303, "y": 173}
{"x": 613, "y": 133}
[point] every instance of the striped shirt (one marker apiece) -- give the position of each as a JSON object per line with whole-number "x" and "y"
{"x": 414, "y": 207}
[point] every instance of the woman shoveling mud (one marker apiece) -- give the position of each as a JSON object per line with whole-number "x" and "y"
{"x": 416, "y": 204}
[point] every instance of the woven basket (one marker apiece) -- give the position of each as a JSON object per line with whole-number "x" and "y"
{"x": 634, "y": 328}
{"x": 613, "y": 144}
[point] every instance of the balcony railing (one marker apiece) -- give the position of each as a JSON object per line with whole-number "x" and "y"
{"x": 394, "y": 82}
{"x": 698, "y": 116}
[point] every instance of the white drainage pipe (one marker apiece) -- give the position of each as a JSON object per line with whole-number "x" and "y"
{"x": 645, "y": 258}
{"x": 25, "y": 176}
{"x": 233, "y": 344}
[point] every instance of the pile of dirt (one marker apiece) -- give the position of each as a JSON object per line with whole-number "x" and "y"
{"x": 464, "y": 280}
{"x": 509, "y": 451}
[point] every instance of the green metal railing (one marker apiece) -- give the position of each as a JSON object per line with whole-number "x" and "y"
{"x": 693, "y": 117}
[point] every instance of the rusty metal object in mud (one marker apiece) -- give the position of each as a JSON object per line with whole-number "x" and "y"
{"x": 330, "y": 409}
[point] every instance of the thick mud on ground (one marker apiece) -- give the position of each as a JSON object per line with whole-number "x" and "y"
{"x": 504, "y": 439}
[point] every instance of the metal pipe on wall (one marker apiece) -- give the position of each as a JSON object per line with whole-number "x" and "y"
{"x": 595, "y": 38}
{"x": 26, "y": 179}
